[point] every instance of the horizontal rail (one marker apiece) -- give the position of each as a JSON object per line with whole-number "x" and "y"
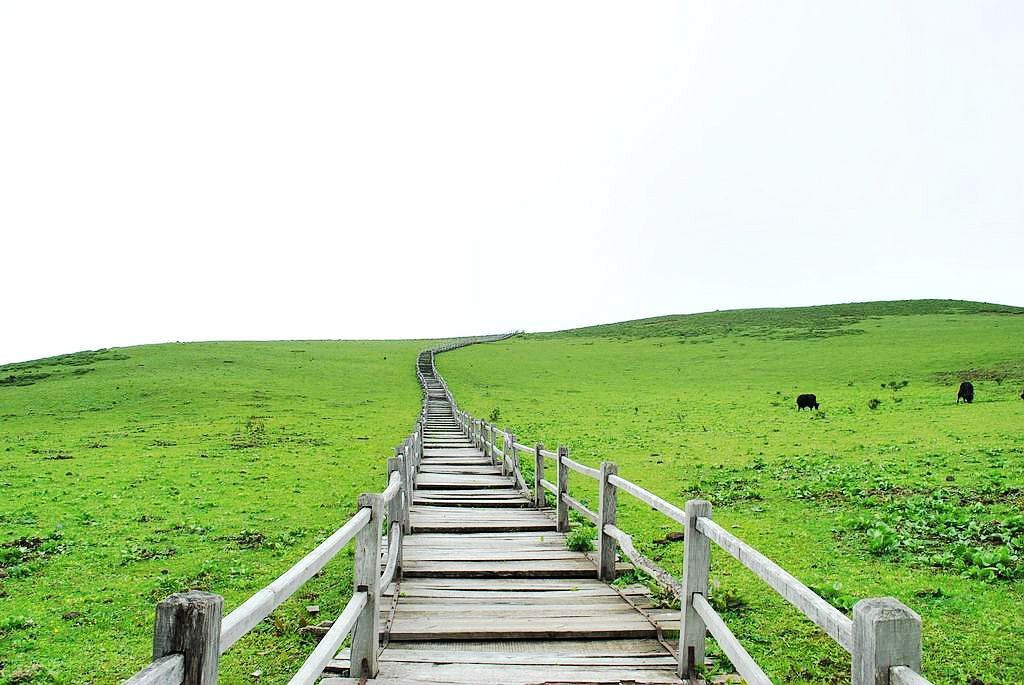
{"x": 741, "y": 661}
{"x": 167, "y": 670}
{"x": 526, "y": 449}
{"x": 548, "y": 454}
{"x": 580, "y": 468}
{"x": 393, "y": 488}
{"x": 518, "y": 475}
{"x": 834, "y": 622}
{"x": 549, "y": 486}
{"x": 260, "y": 605}
{"x": 578, "y": 506}
{"x": 394, "y": 547}
{"x": 625, "y": 542}
{"x": 666, "y": 508}
{"x": 904, "y": 675}
{"x": 329, "y": 644}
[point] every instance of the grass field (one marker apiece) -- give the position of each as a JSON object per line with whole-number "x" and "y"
{"x": 889, "y": 489}
{"x": 129, "y": 474}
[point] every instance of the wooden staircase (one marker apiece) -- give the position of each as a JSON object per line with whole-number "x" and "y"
{"x": 489, "y": 591}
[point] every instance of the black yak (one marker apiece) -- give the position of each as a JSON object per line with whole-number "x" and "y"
{"x": 965, "y": 393}
{"x": 806, "y": 401}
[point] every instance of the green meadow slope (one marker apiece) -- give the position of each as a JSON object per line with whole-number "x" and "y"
{"x": 129, "y": 474}
{"x": 889, "y": 489}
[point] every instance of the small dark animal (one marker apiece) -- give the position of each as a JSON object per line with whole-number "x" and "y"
{"x": 806, "y": 402}
{"x": 965, "y": 393}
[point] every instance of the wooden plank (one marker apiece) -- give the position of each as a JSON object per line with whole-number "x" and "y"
{"x": 513, "y": 628}
{"x": 409, "y": 610}
{"x": 532, "y": 568}
{"x": 499, "y": 674}
{"x": 653, "y": 659}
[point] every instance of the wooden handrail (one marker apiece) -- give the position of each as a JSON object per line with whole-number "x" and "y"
{"x": 700, "y": 526}
{"x": 666, "y": 508}
{"x": 260, "y": 605}
{"x": 578, "y": 506}
{"x": 904, "y": 675}
{"x": 580, "y": 468}
{"x": 330, "y": 643}
{"x": 393, "y": 488}
{"x": 625, "y": 542}
{"x": 167, "y": 670}
{"x": 394, "y": 548}
{"x": 744, "y": 663}
{"x": 834, "y": 622}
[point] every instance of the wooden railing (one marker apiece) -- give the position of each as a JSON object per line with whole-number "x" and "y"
{"x": 883, "y": 637}
{"x": 190, "y": 632}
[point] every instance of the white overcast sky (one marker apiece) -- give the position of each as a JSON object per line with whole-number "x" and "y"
{"x": 251, "y": 170}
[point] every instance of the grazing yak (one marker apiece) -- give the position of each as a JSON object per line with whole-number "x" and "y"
{"x": 806, "y": 401}
{"x": 965, "y": 393}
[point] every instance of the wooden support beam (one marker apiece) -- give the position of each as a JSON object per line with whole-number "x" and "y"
{"x": 366, "y": 638}
{"x": 606, "y": 517}
{"x": 886, "y": 633}
{"x": 188, "y": 623}
{"x": 561, "y": 506}
{"x": 696, "y": 566}
{"x": 538, "y": 476}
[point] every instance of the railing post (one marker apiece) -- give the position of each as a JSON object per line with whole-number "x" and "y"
{"x": 696, "y": 566}
{"x": 188, "y": 623}
{"x": 513, "y": 457}
{"x": 405, "y": 454}
{"x": 606, "y": 516}
{"x": 366, "y": 635}
{"x": 886, "y": 633}
{"x": 538, "y": 474}
{"x": 504, "y": 452}
{"x": 561, "y": 506}
{"x": 397, "y": 509}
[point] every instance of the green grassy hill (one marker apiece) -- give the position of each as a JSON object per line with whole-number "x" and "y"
{"x": 889, "y": 489}
{"x": 129, "y": 474}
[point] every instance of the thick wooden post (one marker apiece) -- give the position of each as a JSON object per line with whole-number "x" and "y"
{"x": 397, "y": 511}
{"x": 886, "y": 633}
{"x": 366, "y": 635}
{"x": 561, "y": 506}
{"x": 188, "y": 623}
{"x": 487, "y": 450}
{"x": 538, "y": 474}
{"x": 504, "y": 453}
{"x": 696, "y": 566}
{"x": 406, "y": 455}
{"x": 513, "y": 458}
{"x": 606, "y": 516}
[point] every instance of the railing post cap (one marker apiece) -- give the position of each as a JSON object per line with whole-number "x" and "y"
{"x": 609, "y": 467}
{"x": 368, "y": 499}
{"x": 696, "y": 508}
{"x": 563, "y": 450}
{"x": 878, "y": 609}
{"x": 192, "y": 597}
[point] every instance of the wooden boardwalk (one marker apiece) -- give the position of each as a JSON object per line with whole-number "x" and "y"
{"x": 489, "y": 593}
{"x": 472, "y": 581}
